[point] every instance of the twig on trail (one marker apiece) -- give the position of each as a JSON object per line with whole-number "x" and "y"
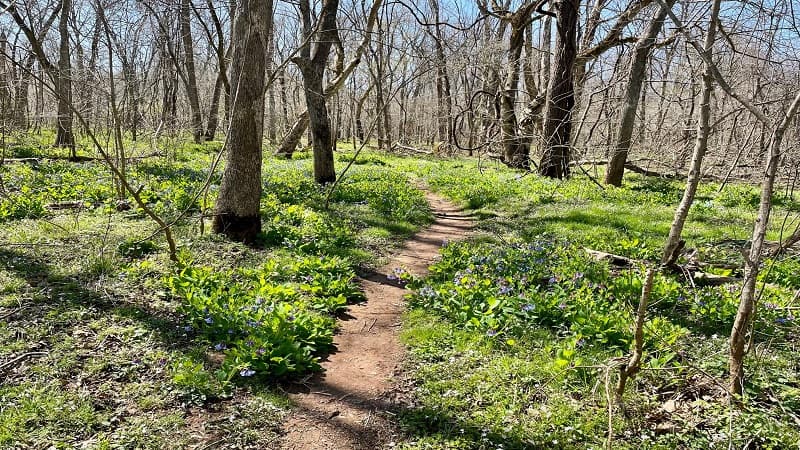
{"x": 9, "y": 314}
{"x": 20, "y": 358}
{"x": 373, "y": 324}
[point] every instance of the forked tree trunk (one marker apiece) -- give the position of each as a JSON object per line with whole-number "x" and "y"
{"x": 633, "y": 90}
{"x": 557, "y": 129}
{"x": 237, "y": 212}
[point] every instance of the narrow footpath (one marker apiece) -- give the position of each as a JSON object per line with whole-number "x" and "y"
{"x": 348, "y": 406}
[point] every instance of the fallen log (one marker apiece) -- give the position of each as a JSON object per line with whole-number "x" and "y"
{"x": 58, "y": 206}
{"x": 614, "y": 260}
{"x": 698, "y": 277}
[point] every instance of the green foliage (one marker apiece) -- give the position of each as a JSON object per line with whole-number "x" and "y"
{"x": 25, "y": 205}
{"x": 302, "y": 228}
{"x": 135, "y": 248}
{"x": 739, "y": 195}
{"x": 386, "y": 192}
{"x": 272, "y": 320}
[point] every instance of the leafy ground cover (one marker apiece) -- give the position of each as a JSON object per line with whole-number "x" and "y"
{"x": 106, "y": 344}
{"x": 512, "y": 339}
{"x": 515, "y": 335}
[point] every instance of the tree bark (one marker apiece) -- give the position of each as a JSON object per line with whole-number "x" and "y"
{"x": 633, "y": 90}
{"x": 313, "y": 70}
{"x": 191, "y": 77}
{"x": 751, "y": 264}
{"x": 443, "y": 95}
{"x": 673, "y": 244}
{"x": 64, "y": 136}
{"x": 560, "y": 101}
{"x": 237, "y": 212}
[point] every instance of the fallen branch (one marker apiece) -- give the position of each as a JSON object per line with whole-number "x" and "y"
{"x": 58, "y": 206}
{"x": 699, "y": 277}
{"x": 410, "y": 149}
{"x": 20, "y": 358}
{"x": 614, "y": 260}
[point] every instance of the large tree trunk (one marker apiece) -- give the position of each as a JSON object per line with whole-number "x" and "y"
{"x": 64, "y": 135}
{"x": 237, "y": 212}
{"x": 752, "y": 262}
{"x": 191, "y": 76}
{"x": 560, "y": 101}
{"x": 633, "y": 90}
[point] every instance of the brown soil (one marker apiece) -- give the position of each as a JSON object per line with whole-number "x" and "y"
{"x": 348, "y": 406}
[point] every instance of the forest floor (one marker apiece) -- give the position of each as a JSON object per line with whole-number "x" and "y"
{"x": 349, "y": 405}
{"x": 508, "y": 338}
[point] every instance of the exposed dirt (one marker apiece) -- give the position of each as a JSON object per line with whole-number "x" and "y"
{"x": 348, "y": 406}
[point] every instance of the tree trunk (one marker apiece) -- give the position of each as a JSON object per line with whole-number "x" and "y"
{"x": 6, "y": 102}
{"x": 752, "y": 262}
{"x": 191, "y": 76}
{"x": 237, "y": 212}
{"x": 213, "y": 110}
{"x": 313, "y": 69}
{"x": 633, "y": 90}
{"x": 443, "y": 95}
{"x": 514, "y": 152}
{"x": 560, "y": 94}
{"x": 64, "y": 136}
{"x": 674, "y": 243}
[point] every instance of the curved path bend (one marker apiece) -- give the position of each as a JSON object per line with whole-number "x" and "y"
{"x": 349, "y": 404}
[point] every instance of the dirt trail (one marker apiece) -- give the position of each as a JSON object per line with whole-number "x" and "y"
{"x": 348, "y": 405}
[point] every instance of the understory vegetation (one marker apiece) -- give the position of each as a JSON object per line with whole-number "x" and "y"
{"x": 120, "y": 348}
{"x": 515, "y": 338}
{"x": 518, "y": 334}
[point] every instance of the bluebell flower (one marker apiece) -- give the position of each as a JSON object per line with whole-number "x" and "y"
{"x": 578, "y": 276}
{"x": 491, "y": 333}
{"x": 209, "y": 320}
{"x": 528, "y": 307}
{"x": 427, "y": 292}
{"x": 247, "y": 372}
{"x": 250, "y": 343}
{"x": 187, "y": 328}
{"x": 701, "y": 303}
{"x": 562, "y": 306}
{"x": 290, "y": 317}
{"x": 769, "y": 305}
{"x": 260, "y": 352}
{"x": 552, "y": 280}
{"x": 681, "y": 298}
{"x": 505, "y": 289}
{"x": 220, "y": 347}
{"x": 781, "y": 320}
{"x": 259, "y": 300}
